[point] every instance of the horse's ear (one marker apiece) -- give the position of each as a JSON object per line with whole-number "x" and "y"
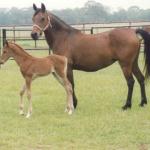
{"x": 43, "y": 7}
{"x": 34, "y": 7}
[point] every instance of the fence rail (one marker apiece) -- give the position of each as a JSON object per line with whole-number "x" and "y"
{"x": 22, "y": 33}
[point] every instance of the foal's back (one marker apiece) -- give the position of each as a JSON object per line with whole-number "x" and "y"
{"x": 51, "y": 63}
{"x": 46, "y": 65}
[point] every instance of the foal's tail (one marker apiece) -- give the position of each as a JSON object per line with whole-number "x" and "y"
{"x": 146, "y": 36}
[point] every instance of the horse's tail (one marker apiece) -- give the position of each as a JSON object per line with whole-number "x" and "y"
{"x": 146, "y": 36}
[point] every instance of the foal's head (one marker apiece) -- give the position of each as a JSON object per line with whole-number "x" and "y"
{"x": 41, "y": 21}
{"x": 6, "y": 53}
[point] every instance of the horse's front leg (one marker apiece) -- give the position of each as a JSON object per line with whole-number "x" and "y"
{"x": 28, "y": 88}
{"x": 21, "y": 105}
{"x": 71, "y": 79}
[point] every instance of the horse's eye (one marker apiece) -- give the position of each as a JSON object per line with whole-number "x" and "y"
{"x": 4, "y": 52}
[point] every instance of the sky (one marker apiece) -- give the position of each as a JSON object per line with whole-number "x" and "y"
{"x": 62, "y": 4}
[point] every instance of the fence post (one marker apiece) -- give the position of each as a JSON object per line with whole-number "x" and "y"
{"x": 4, "y": 36}
{"x": 83, "y": 27}
{"x": 92, "y": 30}
{"x": 14, "y": 34}
{"x": 130, "y": 24}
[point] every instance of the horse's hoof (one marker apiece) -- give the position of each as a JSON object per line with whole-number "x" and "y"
{"x": 125, "y": 107}
{"x": 142, "y": 104}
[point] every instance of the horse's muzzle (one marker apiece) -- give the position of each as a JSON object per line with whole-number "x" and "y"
{"x": 34, "y": 36}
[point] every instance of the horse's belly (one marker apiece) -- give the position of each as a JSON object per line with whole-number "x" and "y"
{"x": 92, "y": 65}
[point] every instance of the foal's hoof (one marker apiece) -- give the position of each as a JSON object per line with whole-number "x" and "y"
{"x": 28, "y": 115}
{"x": 125, "y": 107}
{"x": 69, "y": 111}
{"x": 21, "y": 112}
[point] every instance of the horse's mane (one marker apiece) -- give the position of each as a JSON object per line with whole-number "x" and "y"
{"x": 61, "y": 22}
{"x": 58, "y": 23}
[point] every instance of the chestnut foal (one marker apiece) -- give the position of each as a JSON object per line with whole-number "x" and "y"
{"x": 32, "y": 67}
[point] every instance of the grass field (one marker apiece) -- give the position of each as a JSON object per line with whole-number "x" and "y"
{"x": 97, "y": 124}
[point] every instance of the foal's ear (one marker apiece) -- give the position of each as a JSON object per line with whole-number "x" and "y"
{"x": 34, "y": 7}
{"x": 43, "y": 7}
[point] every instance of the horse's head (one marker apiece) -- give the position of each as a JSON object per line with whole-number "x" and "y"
{"x": 6, "y": 53}
{"x": 41, "y": 21}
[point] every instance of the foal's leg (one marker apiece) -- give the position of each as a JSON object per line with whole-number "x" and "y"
{"x": 127, "y": 70}
{"x": 21, "y": 105}
{"x": 28, "y": 88}
{"x": 71, "y": 79}
{"x": 62, "y": 79}
{"x": 140, "y": 78}
{"x": 68, "y": 88}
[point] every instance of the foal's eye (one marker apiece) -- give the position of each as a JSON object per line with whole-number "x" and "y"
{"x": 4, "y": 52}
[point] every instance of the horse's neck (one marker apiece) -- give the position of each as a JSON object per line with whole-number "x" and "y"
{"x": 20, "y": 56}
{"x": 55, "y": 37}
{"x": 58, "y": 32}
{"x": 50, "y": 37}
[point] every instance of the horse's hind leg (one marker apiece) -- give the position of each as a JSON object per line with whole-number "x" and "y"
{"x": 140, "y": 78}
{"x": 127, "y": 70}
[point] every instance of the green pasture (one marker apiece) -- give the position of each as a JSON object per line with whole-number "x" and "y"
{"x": 97, "y": 124}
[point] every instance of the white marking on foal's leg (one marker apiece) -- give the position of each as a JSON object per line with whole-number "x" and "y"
{"x": 28, "y": 115}
{"x": 21, "y": 112}
{"x": 69, "y": 110}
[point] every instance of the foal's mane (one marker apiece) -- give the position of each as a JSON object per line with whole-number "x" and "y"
{"x": 18, "y": 49}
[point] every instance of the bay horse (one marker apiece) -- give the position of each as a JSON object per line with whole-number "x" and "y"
{"x": 32, "y": 67}
{"x": 93, "y": 52}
